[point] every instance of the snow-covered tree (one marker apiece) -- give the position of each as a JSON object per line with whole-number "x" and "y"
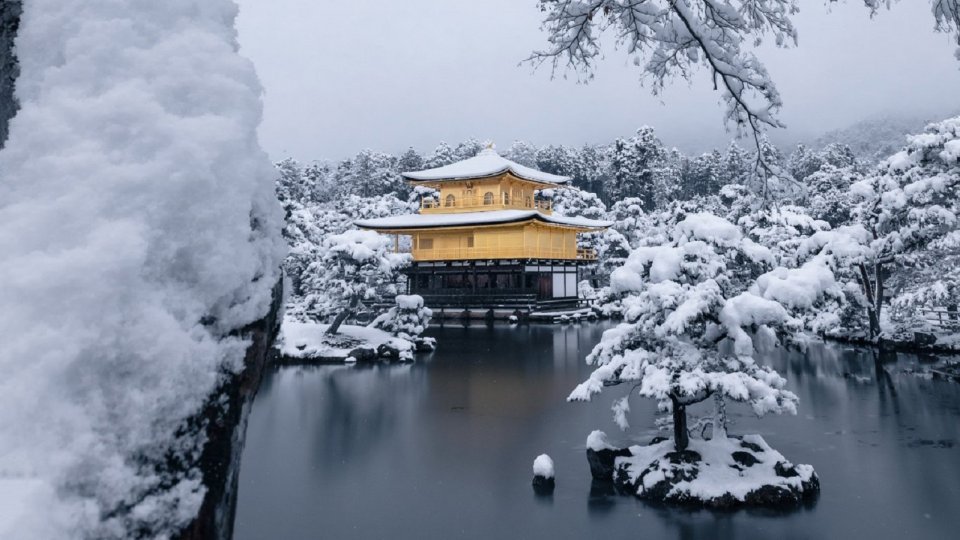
{"x": 735, "y": 166}
{"x": 910, "y": 208}
{"x": 523, "y": 153}
{"x": 630, "y": 219}
{"x": 636, "y": 167}
{"x": 409, "y": 161}
{"x": 612, "y": 249}
{"x": 781, "y": 229}
{"x": 369, "y": 174}
{"x": 442, "y": 155}
{"x": 828, "y": 193}
{"x": 667, "y": 38}
{"x": 291, "y": 185}
{"x": 354, "y": 266}
{"x": 575, "y": 202}
{"x": 467, "y": 149}
{"x": 703, "y": 175}
{"x": 695, "y": 309}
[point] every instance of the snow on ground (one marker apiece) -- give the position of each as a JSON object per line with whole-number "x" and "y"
{"x": 543, "y": 466}
{"x": 139, "y": 228}
{"x": 719, "y": 473}
{"x": 309, "y": 340}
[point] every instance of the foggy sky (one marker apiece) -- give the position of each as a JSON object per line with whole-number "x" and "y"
{"x": 344, "y": 76}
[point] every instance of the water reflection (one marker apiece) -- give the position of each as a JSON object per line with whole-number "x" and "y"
{"x": 443, "y": 447}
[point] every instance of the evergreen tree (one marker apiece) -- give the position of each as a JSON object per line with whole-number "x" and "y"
{"x": 523, "y": 153}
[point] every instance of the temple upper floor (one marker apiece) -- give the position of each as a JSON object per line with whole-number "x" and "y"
{"x": 484, "y": 182}
{"x": 501, "y": 192}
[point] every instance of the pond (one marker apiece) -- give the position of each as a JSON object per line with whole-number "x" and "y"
{"x": 443, "y": 448}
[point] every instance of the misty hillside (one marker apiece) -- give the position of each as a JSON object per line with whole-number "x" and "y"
{"x": 874, "y": 139}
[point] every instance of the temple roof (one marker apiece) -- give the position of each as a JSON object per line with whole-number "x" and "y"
{"x": 486, "y": 163}
{"x": 496, "y": 217}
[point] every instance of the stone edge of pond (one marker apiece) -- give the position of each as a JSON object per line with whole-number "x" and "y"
{"x": 225, "y": 419}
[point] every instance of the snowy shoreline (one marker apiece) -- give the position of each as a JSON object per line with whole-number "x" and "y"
{"x": 308, "y": 343}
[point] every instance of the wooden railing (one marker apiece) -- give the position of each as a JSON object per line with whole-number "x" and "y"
{"x": 501, "y": 252}
{"x": 498, "y": 252}
{"x": 945, "y": 319}
{"x": 472, "y": 203}
{"x": 586, "y": 254}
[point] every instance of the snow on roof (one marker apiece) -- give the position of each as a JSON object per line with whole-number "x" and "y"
{"x": 486, "y": 163}
{"x": 426, "y": 221}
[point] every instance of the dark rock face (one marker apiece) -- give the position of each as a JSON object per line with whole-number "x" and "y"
{"x": 226, "y": 424}
{"x": 363, "y": 354}
{"x": 745, "y": 459}
{"x": 388, "y": 351}
{"x": 10, "y": 11}
{"x": 422, "y": 344}
{"x": 922, "y": 339}
{"x": 543, "y": 485}
{"x": 755, "y": 448}
{"x": 601, "y": 462}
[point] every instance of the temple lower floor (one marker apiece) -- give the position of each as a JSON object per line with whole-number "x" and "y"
{"x": 496, "y": 283}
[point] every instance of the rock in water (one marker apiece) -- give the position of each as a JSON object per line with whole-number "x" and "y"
{"x": 543, "y": 481}
{"x": 601, "y": 456}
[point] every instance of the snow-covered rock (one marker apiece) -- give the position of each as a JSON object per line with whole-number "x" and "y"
{"x": 601, "y": 456}
{"x": 543, "y": 466}
{"x": 543, "y": 475}
{"x": 720, "y": 473}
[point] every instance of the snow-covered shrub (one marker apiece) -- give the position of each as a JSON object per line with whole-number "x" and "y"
{"x": 695, "y": 309}
{"x": 353, "y": 266}
{"x": 407, "y": 320}
{"x": 140, "y": 231}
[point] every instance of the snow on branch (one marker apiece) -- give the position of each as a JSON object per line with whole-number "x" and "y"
{"x": 669, "y": 38}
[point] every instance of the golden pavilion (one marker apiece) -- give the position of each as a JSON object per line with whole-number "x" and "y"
{"x": 487, "y": 239}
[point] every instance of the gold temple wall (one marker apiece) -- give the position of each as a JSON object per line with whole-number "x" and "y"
{"x": 521, "y": 241}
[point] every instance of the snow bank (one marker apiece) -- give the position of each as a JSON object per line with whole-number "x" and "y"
{"x": 309, "y": 340}
{"x": 139, "y": 228}
{"x": 543, "y": 466}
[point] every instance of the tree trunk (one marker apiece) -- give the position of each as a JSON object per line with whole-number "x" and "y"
{"x": 681, "y": 439}
{"x": 719, "y": 417}
{"x": 335, "y": 327}
{"x": 872, "y": 311}
{"x": 878, "y": 293}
